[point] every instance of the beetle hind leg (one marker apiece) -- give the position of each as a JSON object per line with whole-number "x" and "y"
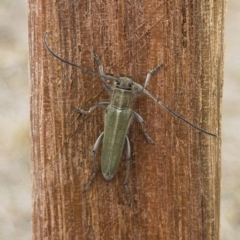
{"x": 128, "y": 157}
{"x": 95, "y": 148}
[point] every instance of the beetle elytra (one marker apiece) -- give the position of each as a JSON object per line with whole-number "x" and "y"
{"x": 118, "y": 114}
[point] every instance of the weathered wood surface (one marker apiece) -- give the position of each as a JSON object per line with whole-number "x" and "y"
{"x": 174, "y": 184}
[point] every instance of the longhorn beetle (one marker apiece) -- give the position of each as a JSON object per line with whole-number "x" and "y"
{"x": 117, "y": 119}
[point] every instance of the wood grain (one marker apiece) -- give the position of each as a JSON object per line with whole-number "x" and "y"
{"x": 174, "y": 184}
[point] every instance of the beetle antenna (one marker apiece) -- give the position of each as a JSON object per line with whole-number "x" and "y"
{"x": 175, "y": 114}
{"x": 74, "y": 65}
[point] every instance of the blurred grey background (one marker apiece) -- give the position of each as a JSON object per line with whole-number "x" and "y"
{"x": 15, "y": 176}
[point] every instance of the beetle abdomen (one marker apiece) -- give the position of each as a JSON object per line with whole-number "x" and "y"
{"x": 116, "y": 126}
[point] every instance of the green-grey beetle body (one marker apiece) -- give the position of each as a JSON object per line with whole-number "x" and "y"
{"x": 117, "y": 119}
{"x": 118, "y": 115}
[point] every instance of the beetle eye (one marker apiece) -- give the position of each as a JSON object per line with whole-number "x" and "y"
{"x": 118, "y": 81}
{"x": 130, "y": 84}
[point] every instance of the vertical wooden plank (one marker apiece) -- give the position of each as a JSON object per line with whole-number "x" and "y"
{"x": 175, "y": 184}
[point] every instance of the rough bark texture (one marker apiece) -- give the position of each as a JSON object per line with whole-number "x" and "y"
{"x": 174, "y": 184}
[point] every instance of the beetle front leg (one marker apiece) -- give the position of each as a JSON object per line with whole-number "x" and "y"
{"x": 128, "y": 157}
{"x": 95, "y": 148}
{"x": 140, "y": 120}
{"x": 100, "y": 104}
{"x": 100, "y": 66}
{"x": 149, "y": 75}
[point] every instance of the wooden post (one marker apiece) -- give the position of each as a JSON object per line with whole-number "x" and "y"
{"x": 174, "y": 184}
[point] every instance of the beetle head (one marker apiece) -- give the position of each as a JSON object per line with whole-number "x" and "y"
{"x": 124, "y": 83}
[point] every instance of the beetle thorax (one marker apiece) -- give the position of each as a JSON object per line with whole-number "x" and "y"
{"x": 122, "y": 94}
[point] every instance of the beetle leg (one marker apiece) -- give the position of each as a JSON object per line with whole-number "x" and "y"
{"x": 100, "y": 104}
{"x": 95, "y": 147}
{"x": 100, "y": 66}
{"x": 149, "y": 75}
{"x": 128, "y": 157}
{"x": 139, "y": 118}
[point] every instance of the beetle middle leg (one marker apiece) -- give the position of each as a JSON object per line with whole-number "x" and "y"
{"x": 95, "y": 148}
{"x": 100, "y": 104}
{"x": 128, "y": 157}
{"x": 139, "y": 118}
